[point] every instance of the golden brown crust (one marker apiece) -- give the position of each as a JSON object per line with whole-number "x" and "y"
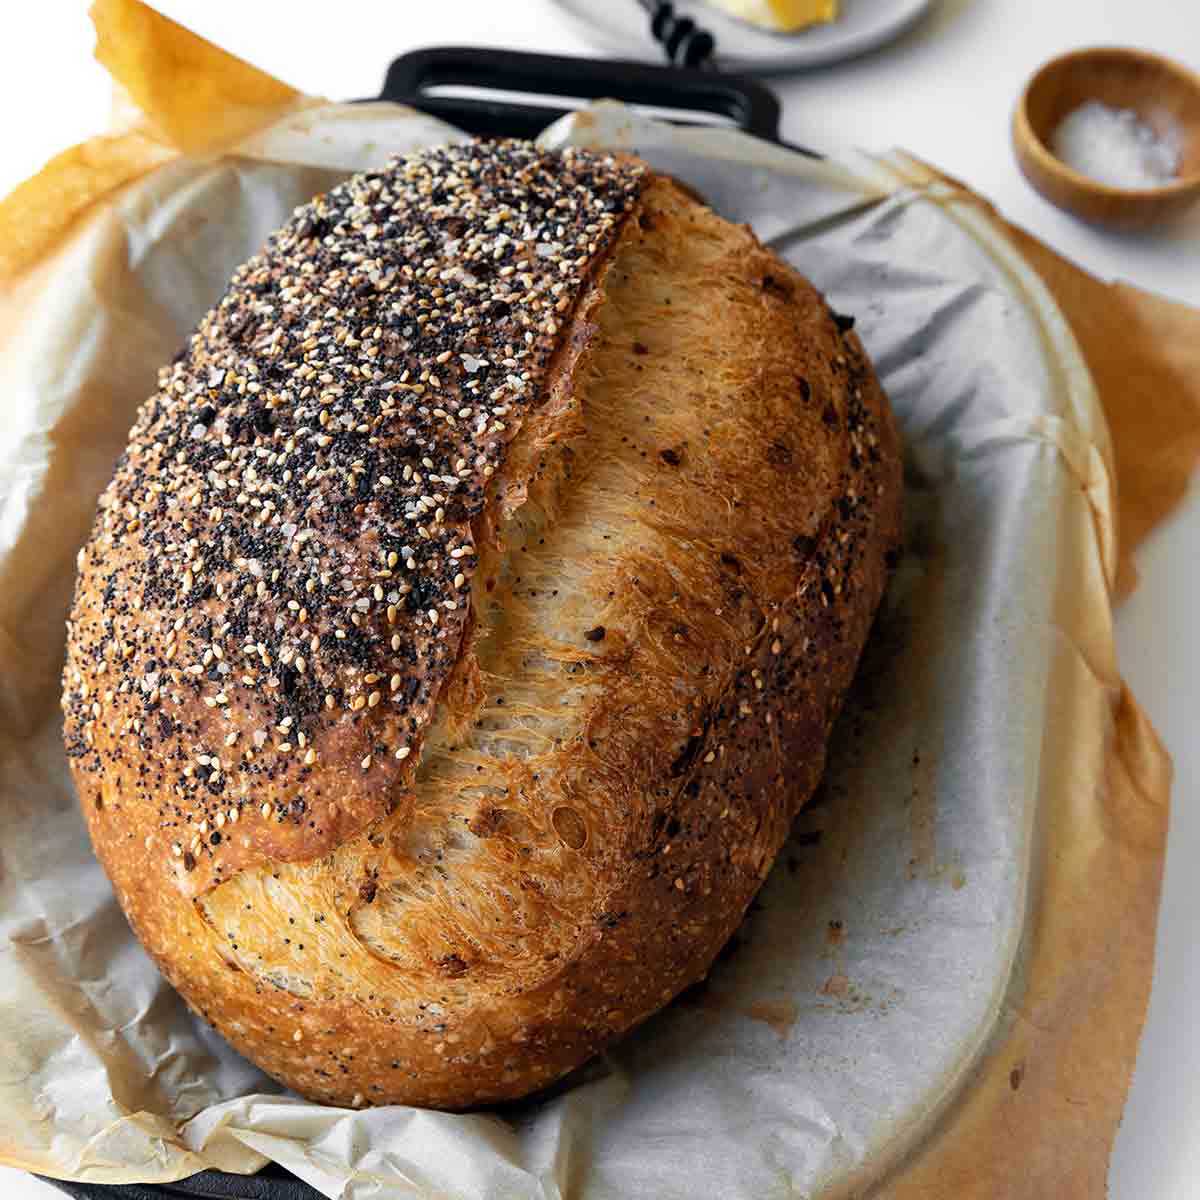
{"x": 680, "y": 555}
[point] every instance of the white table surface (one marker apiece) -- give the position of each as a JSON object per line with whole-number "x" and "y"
{"x": 944, "y": 91}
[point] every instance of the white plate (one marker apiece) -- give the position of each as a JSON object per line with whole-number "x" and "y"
{"x": 622, "y": 27}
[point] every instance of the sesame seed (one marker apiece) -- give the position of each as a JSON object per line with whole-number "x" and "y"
{"x": 287, "y": 380}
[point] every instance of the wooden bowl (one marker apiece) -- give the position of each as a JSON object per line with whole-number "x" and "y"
{"x": 1163, "y": 94}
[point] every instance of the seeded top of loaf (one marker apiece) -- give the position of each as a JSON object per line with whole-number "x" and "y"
{"x": 277, "y": 582}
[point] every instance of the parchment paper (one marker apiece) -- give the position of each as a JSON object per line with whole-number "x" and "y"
{"x": 941, "y": 986}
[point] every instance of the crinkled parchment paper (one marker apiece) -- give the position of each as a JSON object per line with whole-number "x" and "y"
{"x": 940, "y": 989}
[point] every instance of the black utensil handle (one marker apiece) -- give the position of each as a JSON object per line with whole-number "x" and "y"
{"x": 747, "y": 103}
{"x": 683, "y": 41}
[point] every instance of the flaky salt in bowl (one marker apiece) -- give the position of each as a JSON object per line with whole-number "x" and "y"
{"x": 1114, "y": 146}
{"x": 1112, "y": 135}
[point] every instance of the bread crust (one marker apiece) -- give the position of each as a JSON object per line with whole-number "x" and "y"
{"x": 532, "y": 879}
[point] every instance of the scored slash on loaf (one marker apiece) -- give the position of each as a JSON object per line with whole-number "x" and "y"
{"x": 464, "y": 622}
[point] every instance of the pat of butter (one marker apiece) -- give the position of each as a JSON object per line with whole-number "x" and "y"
{"x": 783, "y": 16}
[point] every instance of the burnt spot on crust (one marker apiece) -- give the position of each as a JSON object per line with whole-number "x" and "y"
{"x": 777, "y": 286}
{"x": 779, "y": 456}
{"x": 279, "y": 574}
{"x": 687, "y": 756}
{"x": 453, "y": 966}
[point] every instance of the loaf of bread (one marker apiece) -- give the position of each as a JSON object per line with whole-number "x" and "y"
{"x": 463, "y": 626}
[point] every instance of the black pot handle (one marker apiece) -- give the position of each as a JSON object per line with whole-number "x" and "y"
{"x": 746, "y": 102}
